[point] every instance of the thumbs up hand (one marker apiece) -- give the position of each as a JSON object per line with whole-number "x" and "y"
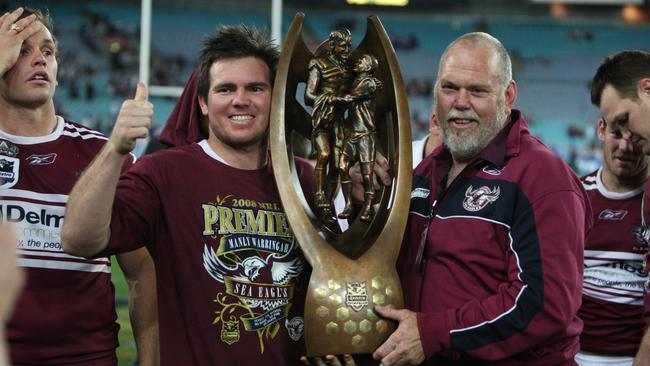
{"x": 133, "y": 121}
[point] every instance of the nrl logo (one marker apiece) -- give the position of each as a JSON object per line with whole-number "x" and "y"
{"x": 476, "y": 199}
{"x": 356, "y": 295}
{"x": 230, "y": 331}
{"x": 9, "y": 149}
{"x": 8, "y": 171}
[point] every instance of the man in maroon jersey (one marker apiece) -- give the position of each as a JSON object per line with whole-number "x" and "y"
{"x": 621, "y": 90}
{"x": 231, "y": 276}
{"x": 492, "y": 262}
{"x": 66, "y": 313}
{"x": 612, "y": 301}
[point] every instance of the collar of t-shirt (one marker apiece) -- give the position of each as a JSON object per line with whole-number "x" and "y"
{"x": 32, "y": 140}
{"x": 211, "y": 153}
{"x": 615, "y": 195}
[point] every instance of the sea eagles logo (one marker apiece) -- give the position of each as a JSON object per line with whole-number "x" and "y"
{"x": 295, "y": 327}
{"x": 476, "y": 199}
{"x": 262, "y": 282}
{"x": 8, "y": 171}
{"x": 259, "y": 276}
{"x": 41, "y": 159}
{"x": 641, "y": 234}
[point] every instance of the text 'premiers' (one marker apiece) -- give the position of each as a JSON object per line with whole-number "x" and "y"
{"x": 223, "y": 220}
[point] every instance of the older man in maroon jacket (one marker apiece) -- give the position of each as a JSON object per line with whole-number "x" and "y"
{"x": 493, "y": 257}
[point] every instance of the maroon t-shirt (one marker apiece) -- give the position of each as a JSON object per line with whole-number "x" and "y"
{"x": 66, "y": 313}
{"x": 231, "y": 277}
{"x": 612, "y": 293}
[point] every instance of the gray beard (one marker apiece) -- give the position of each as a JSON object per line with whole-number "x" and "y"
{"x": 464, "y": 146}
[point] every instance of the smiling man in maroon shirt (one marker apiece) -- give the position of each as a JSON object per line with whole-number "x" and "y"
{"x": 232, "y": 279}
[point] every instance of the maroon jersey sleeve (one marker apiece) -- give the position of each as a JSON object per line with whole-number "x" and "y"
{"x": 136, "y": 208}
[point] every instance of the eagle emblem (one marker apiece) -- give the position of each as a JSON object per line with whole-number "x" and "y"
{"x": 477, "y": 199}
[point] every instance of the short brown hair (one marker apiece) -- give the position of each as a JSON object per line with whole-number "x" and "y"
{"x": 622, "y": 71}
{"x": 236, "y": 42}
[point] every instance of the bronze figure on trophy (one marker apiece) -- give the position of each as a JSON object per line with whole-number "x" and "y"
{"x": 339, "y": 140}
{"x": 329, "y": 78}
{"x": 359, "y": 135}
{"x": 358, "y": 107}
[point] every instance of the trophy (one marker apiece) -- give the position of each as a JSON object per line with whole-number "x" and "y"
{"x": 358, "y": 107}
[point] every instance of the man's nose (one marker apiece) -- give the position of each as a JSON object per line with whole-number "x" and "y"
{"x": 39, "y": 59}
{"x": 241, "y": 98}
{"x": 462, "y": 100}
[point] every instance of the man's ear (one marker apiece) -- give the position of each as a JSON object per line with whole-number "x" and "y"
{"x": 600, "y": 129}
{"x": 203, "y": 105}
{"x": 644, "y": 87}
{"x": 433, "y": 121}
{"x": 511, "y": 94}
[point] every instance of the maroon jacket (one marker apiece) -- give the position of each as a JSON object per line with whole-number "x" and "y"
{"x": 499, "y": 276}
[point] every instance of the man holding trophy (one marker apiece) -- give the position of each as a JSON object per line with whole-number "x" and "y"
{"x": 491, "y": 266}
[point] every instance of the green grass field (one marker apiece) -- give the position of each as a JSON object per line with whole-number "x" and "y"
{"x": 126, "y": 353}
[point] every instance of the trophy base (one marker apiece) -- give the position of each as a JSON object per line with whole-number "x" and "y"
{"x": 339, "y": 315}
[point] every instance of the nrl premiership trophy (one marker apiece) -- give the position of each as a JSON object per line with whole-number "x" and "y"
{"x": 358, "y": 107}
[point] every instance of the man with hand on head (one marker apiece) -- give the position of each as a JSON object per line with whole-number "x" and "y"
{"x": 612, "y": 301}
{"x": 491, "y": 266}
{"x": 232, "y": 279}
{"x": 621, "y": 90}
{"x": 66, "y": 313}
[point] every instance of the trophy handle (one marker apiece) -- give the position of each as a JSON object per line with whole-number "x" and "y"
{"x": 382, "y": 237}
{"x": 295, "y": 56}
{"x": 392, "y": 110}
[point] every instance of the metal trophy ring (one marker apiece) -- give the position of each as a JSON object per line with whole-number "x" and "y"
{"x": 354, "y": 270}
{"x": 15, "y": 27}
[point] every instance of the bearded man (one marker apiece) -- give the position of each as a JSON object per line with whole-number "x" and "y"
{"x": 492, "y": 262}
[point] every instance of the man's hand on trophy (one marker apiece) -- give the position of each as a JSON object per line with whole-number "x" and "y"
{"x": 132, "y": 122}
{"x": 403, "y": 347}
{"x": 382, "y": 175}
{"x": 330, "y": 360}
